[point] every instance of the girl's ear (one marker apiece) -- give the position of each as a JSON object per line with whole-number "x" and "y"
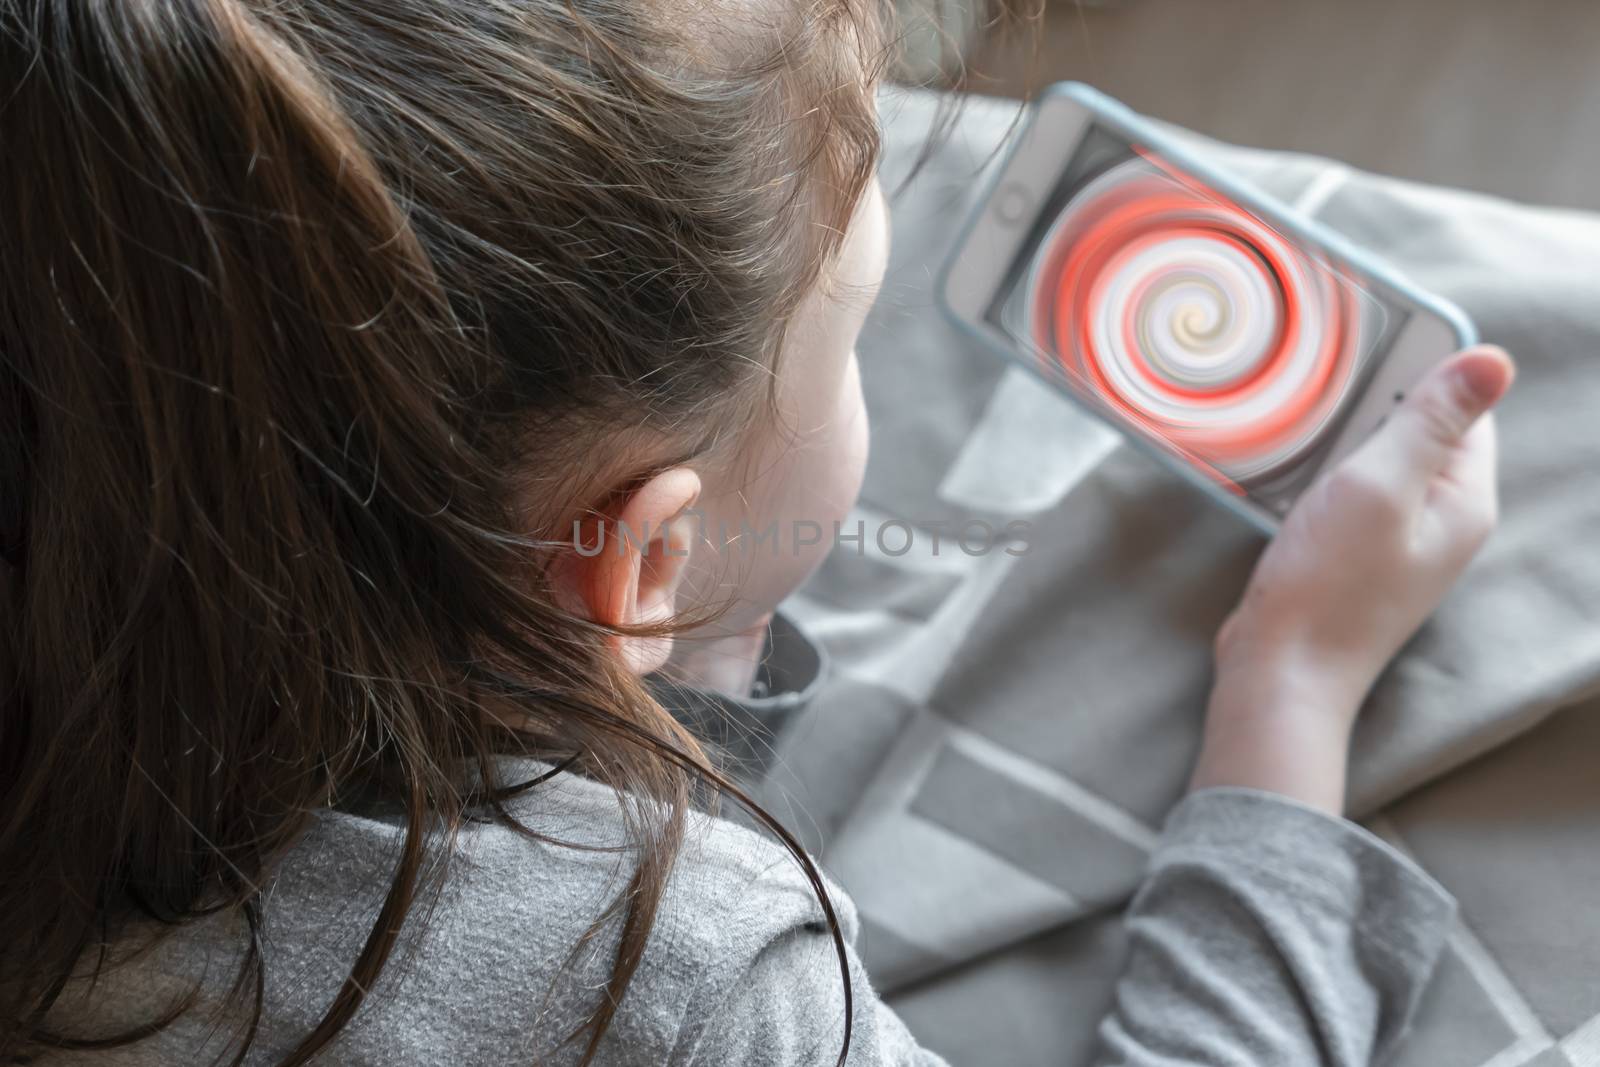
{"x": 626, "y": 567}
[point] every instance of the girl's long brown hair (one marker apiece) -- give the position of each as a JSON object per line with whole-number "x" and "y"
{"x": 310, "y": 314}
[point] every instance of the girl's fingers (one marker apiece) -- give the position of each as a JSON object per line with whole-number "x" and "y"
{"x": 1471, "y": 469}
{"x": 1426, "y": 434}
{"x": 1463, "y": 505}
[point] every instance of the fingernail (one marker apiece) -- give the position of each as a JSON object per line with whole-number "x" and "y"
{"x": 1485, "y": 375}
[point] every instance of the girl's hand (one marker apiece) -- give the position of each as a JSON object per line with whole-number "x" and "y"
{"x": 1365, "y": 556}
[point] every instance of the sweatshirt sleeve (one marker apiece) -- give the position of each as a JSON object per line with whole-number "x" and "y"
{"x": 1267, "y": 933}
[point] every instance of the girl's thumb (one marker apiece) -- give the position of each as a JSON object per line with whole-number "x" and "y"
{"x": 1443, "y": 406}
{"x": 1418, "y": 439}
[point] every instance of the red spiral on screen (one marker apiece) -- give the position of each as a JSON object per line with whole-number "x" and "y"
{"x": 1192, "y": 318}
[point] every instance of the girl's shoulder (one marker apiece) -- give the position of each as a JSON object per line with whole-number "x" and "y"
{"x": 507, "y": 951}
{"x": 497, "y": 963}
{"x": 732, "y": 890}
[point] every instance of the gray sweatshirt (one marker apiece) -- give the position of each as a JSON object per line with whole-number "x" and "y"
{"x": 1265, "y": 933}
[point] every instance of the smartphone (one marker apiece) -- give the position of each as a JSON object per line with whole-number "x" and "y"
{"x": 1242, "y": 343}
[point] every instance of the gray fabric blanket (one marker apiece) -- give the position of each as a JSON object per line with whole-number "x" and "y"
{"x": 1003, "y": 733}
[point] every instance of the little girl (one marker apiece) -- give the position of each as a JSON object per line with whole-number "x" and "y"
{"x": 334, "y": 338}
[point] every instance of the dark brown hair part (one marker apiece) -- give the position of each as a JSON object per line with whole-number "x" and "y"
{"x": 301, "y": 304}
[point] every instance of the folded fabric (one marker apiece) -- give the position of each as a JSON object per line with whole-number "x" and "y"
{"x": 1003, "y": 733}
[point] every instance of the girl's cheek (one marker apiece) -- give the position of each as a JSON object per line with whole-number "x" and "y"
{"x": 857, "y": 437}
{"x": 822, "y": 489}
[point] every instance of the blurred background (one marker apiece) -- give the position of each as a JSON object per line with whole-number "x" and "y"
{"x": 1502, "y": 96}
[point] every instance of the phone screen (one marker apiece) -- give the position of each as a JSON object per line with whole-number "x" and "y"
{"x": 1173, "y": 310}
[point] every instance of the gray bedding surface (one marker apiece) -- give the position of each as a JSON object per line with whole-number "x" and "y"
{"x": 1003, "y": 733}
